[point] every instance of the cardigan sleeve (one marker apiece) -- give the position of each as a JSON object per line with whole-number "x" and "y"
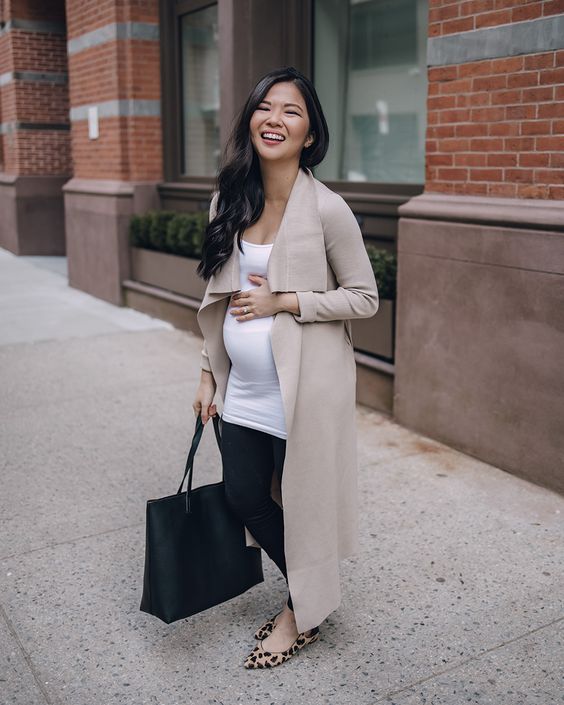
{"x": 205, "y": 360}
{"x": 357, "y": 293}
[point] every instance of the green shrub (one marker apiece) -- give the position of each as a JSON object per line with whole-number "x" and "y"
{"x": 159, "y": 221}
{"x": 384, "y": 264}
{"x": 166, "y": 231}
{"x": 139, "y": 231}
{"x": 200, "y": 223}
{"x": 180, "y": 236}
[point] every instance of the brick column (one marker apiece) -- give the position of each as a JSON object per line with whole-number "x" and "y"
{"x": 114, "y": 69}
{"x": 34, "y": 129}
{"x": 481, "y": 253}
{"x": 496, "y": 124}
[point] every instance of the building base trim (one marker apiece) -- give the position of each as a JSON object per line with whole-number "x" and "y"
{"x": 516, "y": 212}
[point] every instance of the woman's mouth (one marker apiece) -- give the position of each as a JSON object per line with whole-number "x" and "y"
{"x": 272, "y": 138}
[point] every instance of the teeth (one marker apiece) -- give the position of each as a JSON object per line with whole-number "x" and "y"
{"x": 271, "y": 135}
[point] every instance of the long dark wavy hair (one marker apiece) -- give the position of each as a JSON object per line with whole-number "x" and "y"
{"x": 239, "y": 181}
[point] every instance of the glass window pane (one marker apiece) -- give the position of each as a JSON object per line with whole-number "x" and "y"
{"x": 370, "y": 72}
{"x": 200, "y": 92}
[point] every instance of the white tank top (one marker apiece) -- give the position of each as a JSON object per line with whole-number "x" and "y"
{"x": 252, "y": 397}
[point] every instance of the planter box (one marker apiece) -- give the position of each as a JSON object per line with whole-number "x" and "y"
{"x": 170, "y": 272}
{"x": 376, "y": 335}
{"x": 178, "y": 274}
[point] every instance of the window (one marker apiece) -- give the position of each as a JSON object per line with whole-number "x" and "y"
{"x": 199, "y": 98}
{"x": 370, "y": 72}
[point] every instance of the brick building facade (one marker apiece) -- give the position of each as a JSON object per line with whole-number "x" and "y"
{"x": 91, "y": 132}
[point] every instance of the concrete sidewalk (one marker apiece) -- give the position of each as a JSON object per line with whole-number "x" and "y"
{"x": 456, "y": 597}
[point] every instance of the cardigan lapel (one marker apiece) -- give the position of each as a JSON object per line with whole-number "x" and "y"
{"x": 297, "y": 259}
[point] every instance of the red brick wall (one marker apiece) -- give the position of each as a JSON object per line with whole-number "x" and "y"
{"x": 448, "y": 17}
{"x": 34, "y": 151}
{"x": 496, "y": 127}
{"x": 128, "y": 148}
{"x": 51, "y": 10}
{"x": 85, "y": 15}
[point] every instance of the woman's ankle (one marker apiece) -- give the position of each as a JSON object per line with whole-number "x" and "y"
{"x": 287, "y": 614}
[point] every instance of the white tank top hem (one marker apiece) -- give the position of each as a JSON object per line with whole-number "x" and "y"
{"x": 250, "y": 424}
{"x": 252, "y": 397}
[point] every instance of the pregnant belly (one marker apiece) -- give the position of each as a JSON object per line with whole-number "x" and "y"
{"x": 248, "y": 345}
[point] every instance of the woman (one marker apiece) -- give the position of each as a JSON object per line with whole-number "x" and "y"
{"x": 286, "y": 268}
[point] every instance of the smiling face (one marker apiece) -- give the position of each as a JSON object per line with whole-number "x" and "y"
{"x": 282, "y": 112}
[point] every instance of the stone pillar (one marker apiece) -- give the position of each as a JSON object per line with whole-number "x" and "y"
{"x": 34, "y": 131}
{"x": 114, "y": 69}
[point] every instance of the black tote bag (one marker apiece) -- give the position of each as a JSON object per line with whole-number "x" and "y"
{"x": 195, "y": 551}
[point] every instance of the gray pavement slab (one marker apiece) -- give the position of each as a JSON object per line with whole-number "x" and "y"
{"x": 457, "y": 594}
{"x": 36, "y": 304}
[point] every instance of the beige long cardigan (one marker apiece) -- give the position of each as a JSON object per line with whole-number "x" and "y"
{"x": 318, "y": 253}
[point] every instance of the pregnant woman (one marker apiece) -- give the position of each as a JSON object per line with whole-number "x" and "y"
{"x": 286, "y": 269}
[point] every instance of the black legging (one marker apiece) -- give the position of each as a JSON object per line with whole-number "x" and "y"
{"x": 249, "y": 457}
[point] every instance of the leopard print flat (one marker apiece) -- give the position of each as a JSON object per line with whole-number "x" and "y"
{"x": 266, "y": 629}
{"x": 259, "y": 658}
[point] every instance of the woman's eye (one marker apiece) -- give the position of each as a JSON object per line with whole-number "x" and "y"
{"x": 290, "y": 112}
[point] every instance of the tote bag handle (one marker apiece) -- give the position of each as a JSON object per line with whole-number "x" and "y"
{"x": 189, "y": 470}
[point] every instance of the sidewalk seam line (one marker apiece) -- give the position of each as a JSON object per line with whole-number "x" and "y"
{"x": 62, "y": 543}
{"x": 26, "y": 657}
{"x": 468, "y": 660}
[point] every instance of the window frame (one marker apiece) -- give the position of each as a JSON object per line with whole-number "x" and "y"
{"x": 366, "y": 191}
{"x": 171, "y": 87}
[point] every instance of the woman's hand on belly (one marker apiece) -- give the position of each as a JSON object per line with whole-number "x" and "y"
{"x": 260, "y": 300}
